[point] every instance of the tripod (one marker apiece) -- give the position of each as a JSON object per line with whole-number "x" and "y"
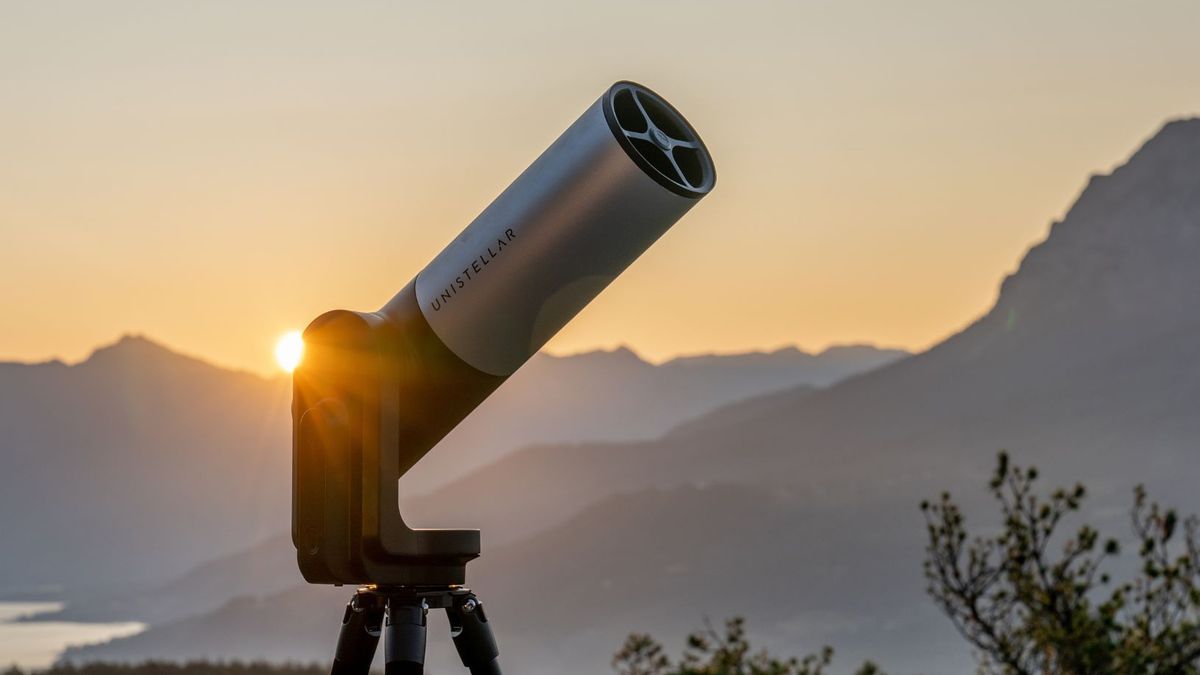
{"x": 399, "y": 614}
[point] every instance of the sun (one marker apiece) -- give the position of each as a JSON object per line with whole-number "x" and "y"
{"x": 289, "y": 350}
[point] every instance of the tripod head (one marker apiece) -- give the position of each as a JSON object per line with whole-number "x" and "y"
{"x": 378, "y": 390}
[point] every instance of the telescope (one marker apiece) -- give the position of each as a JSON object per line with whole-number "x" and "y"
{"x": 376, "y": 391}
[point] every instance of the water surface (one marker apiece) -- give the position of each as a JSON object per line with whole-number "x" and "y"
{"x": 36, "y": 644}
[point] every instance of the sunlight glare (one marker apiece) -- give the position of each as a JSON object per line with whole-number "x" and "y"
{"x": 289, "y": 350}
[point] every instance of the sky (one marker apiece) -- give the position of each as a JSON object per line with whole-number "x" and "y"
{"x": 215, "y": 174}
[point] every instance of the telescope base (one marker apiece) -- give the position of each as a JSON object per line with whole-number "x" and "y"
{"x": 399, "y": 616}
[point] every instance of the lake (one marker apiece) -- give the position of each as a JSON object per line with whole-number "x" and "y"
{"x": 38, "y": 644}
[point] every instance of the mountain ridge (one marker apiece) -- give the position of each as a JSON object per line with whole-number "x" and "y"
{"x": 1088, "y": 378}
{"x": 142, "y": 435}
{"x": 134, "y": 343}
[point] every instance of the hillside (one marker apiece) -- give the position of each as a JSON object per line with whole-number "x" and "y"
{"x": 1087, "y": 365}
{"x": 133, "y": 464}
{"x": 617, "y": 396}
{"x": 144, "y": 463}
{"x": 670, "y": 548}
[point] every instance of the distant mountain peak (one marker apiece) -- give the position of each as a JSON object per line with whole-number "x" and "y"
{"x": 792, "y": 355}
{"x": 1175, "y": 130}
{"x": 784, "y": 354}
{"x": 620, "y": 354}
{"x": 133, "y": 345}
{"x": 134, "y": 352}
{"x": 858, "y": 349}
{"x": 1127, "y": 248}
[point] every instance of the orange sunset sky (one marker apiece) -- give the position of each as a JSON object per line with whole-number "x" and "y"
{"x": 215, "y": 174}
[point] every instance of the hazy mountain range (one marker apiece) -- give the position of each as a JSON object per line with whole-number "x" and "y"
{"x": 124, "y": 471}
{"x": 799, "y": 508}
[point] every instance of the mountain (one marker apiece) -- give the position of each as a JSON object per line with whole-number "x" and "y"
{"x": 617, "y": 396}
{"x": 799, "y": 508}
{"x": 124, "y": 471}
{"x": 130, "y": 466}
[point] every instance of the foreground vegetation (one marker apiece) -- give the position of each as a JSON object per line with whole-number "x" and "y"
{"x": 1033, "y": 599}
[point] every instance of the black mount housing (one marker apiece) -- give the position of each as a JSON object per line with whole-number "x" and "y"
{"x": 374, "y": 393}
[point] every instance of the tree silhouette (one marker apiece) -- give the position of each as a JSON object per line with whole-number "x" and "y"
{"x": 1033, "y": 599}
{"x": 709, "y": 652}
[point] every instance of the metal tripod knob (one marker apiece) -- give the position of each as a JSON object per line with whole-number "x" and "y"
{"x": 473, "y": 636}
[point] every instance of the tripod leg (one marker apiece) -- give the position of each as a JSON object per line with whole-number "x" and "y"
{"x": 359, "y": 635}
{"x": 404, "y": 636}
{"x": 473, "y": 637}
